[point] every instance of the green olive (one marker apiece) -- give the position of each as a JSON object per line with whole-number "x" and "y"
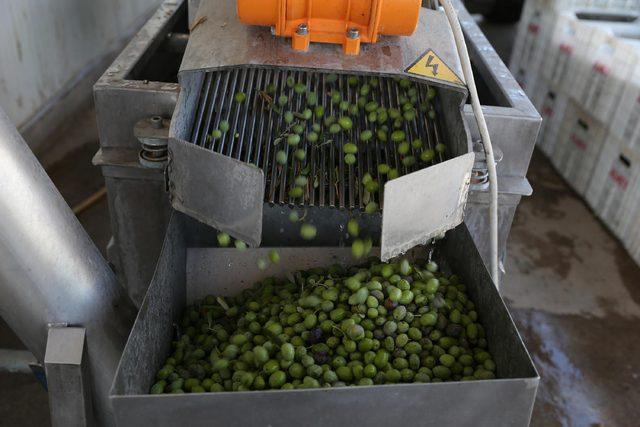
{"x": 293, "y": 139}
{"x": 350, "y": 148}
{"x": 281, "y": 157}
{"x": 366, "y": 135}
{"x": 288, "y": 116}
{"x": 353, "y": 228}
{"x": 427, "y": 155}
{"x": 312, "y": 99}
{"x": 349, "y": 158}
{"x": 345, "y": 122}
{"x": 296, "y": 192}
{"x": 223, "y": 239}
{"x": 299, "y": 154}
{"x": 308, "y": 231}
{"x": 334, "y": 128}
{"x": 397, "y": 136}
{"x": 409, "y": 161}
{"x": 312, "y": 136}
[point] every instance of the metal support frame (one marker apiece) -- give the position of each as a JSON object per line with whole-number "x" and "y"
{"x": 68, "y": 382}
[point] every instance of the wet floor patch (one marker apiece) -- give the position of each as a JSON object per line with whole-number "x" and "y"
{"x": 566, "y": 264}
{"x": 589, "y": 369}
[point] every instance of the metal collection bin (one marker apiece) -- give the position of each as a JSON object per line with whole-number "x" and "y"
{"x": 189, "y": 268}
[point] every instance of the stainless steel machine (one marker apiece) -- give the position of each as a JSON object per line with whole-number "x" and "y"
{"x": 169, "y": 189}
{"x": 247, "y": 196}
{"x": 142, "y": 83}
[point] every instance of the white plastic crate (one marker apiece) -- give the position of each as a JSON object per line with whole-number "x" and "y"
{"x": 631, "y": 224}
{"x": 534, "y": 32}
{"x": 552, "y": 104}
{"x": 609, "y": 73}
{"x": 612, "y": 188}
{"x": 625, "y": 124}
{"x": 566, "y": 50}
{"x": 578, "y": 146}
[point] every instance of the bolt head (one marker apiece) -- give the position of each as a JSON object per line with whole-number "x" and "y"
{"x": 303, "y": 29}
{"x": 353, "y": 33}
{"x": 156, "y": 122}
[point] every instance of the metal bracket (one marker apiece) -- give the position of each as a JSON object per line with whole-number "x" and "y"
{"x": 65, "y": 362}
{"x": 153, "y": 134}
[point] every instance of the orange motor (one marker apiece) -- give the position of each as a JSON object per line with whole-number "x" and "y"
{"x": 345, "y": 22}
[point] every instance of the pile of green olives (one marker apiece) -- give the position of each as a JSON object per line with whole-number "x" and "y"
{"x": 381, "y": 323}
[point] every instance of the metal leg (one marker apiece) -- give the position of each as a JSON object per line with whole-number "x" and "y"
{"x": 65, "y": 363}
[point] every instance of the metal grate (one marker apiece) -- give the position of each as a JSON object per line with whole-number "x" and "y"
{"x": 255, "y": 124}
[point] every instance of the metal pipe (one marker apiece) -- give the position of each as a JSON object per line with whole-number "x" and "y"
{"x": 51, "y": 271}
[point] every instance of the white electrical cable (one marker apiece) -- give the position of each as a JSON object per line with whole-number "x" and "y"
{"x": 452, "y": 17}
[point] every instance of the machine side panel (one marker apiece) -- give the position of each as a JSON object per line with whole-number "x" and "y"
{"x": 222, "y": 192}
{"x": 423, "y": 205}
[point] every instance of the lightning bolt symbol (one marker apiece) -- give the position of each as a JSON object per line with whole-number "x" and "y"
{"x": 434, "y": 67}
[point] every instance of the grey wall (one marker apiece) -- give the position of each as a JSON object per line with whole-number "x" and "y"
{"x": 50, "y": 47}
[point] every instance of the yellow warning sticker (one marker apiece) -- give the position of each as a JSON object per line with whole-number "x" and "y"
{"x": 430, "y": 65}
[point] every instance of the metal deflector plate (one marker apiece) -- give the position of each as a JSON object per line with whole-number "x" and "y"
{"x": 217, "y": 190}
{"x": 424, "y": 204}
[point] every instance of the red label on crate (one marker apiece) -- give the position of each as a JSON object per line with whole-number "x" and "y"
{"x": 566, "y": 48}
{"x": 619, "y": 179}
{"x": 599, "y": 67}
{"x": 578, "y": 142}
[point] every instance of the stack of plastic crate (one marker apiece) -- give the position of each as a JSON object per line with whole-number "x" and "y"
{"x": 597, "y": 87}
{"x": 579, "y": 61}
{"x": 562, "y": 60}
{"x": 614, "y": 190}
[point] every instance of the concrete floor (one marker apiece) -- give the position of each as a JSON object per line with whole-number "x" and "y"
{"x": 572, "y": 290}
{"x": 574, "y": 294}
